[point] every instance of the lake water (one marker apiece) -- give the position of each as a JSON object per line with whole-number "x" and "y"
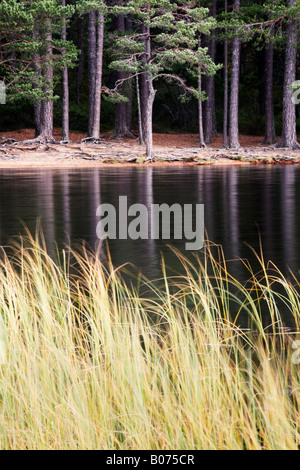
{"x": 242, "y": 205}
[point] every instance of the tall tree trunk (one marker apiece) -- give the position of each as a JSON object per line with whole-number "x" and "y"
{"x": 121, "y": 119}
{"x": 65, "y": 96}
{"x": 150, "y": 95}
{"x": 92, "y": 48}
{"x": 225, "y": 117}
{"x": 210, "y": 112}
{"x": 234, "y": 95}
{"x": 95, "y": 129}
{"x": 200, "y": 107}
{"x": 138, "y": 99}
{"x": 46, "y": 128}
{"x": 149, "y": 117}
{"x": 129, "y": 84}
{"x": 144, "y": 83}
{"x": 289, "y": 137}
{"x": 80, "y": 68}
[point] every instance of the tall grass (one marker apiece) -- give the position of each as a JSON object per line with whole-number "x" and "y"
{"x": 88, "y": 362}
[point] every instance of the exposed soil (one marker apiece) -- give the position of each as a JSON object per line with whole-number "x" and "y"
{"x": 169, "y": 149}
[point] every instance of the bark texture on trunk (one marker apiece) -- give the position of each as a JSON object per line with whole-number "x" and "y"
{"x": 80, "y": 68}
{"x": 144, "y": 82}
{"x": 234, "y": 94}
{"x": 92, "y": 48}
{"x": 225, "y": 116}
{"x": 95, "y": 125}
{"x": 138, "y": 98}
{"x": 46, "y": 122}
{"x": 149, "y": 116}
{"x": 65, "y": 135}
{"x": 200, "y": 105}
{"x": 65, "y": 95}
{"x": 46, "y": 134}
{"x": 129, "y": 83}
{"x": 200, "y": 115}
{"x": 289, "y": 137}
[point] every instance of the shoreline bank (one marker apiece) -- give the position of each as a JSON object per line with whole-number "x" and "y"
{"x": 92, "y": 157}
{"x": 169, "y": 151}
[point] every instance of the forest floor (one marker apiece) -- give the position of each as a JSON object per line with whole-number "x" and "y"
{"x": 169, "y": 149}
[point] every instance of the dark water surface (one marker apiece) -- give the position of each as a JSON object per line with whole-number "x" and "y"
{"x": 240, "y": 203}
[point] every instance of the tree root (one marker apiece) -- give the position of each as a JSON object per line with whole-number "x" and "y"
{"x": 8, "y": 142}
{"x": 268, "y": 142}
{"x": 40, "y": 140}
{"x": 125, "y": 135}
{"x": 92, "y": 140}
{"x": 280, "y": 145}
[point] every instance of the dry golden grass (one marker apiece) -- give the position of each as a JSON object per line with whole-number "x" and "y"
{"x": 89, "y": 363}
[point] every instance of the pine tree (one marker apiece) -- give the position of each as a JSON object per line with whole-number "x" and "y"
{"x": 95, "y": 129}
{"x": 225, "y": 104}
{"x": 289, "y": 136}
{"x": 92, "y": 44}
{"x": 96, "y": 10}
{"x": 234, "y": 93}
{"x": 167, "y": 41}
{"x": 65, "y": 90}
{"x": 32, "y": 36}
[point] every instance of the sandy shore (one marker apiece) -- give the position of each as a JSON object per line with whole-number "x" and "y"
{"x": 182, "y": 150}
